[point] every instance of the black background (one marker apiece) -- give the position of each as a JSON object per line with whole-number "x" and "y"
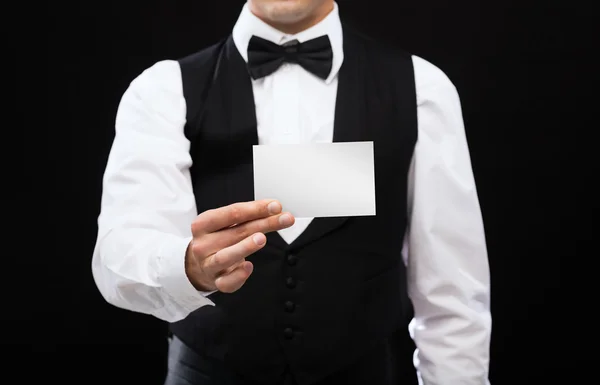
{"x": 522, "y": 75}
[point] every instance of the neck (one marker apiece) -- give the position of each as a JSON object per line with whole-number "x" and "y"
{"x": 293, "y": 28}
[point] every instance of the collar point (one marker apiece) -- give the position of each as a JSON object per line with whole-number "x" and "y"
{"x": 329, "y": 79}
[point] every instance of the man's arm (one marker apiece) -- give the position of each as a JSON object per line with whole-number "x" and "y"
{"x": 148, "y": 203}
{"x": 448, "y": 271}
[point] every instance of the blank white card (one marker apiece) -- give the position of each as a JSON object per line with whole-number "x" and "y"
{"x": 317, "y": 179}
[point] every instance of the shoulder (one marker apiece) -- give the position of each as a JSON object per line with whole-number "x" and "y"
{"x": 433, "y": 85}
{"x": 164, "y": 74}
{"x": 428, "y": 75}
{"x": 154, "y": 96}
{"x": 157, "y": 90}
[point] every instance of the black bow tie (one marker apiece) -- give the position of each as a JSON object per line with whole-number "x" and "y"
{"x": 265, "y": 57}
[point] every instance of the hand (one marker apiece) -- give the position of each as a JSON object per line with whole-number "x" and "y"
{"x": 224, "y": 237}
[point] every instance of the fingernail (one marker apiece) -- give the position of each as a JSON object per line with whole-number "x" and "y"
{"x": 259, "y": 239}
{"x": 274, "y": 208}
{"x": 248, "y": 267}
{"x": 285, "y": 220}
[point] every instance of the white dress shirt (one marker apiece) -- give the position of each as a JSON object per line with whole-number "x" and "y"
{"x": 148, "y": 202}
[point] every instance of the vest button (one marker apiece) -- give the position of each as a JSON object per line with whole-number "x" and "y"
{"x": 290, "y": 282}
{"x": 292, "y": 260}
{"x": 288, "y": 333}
{"x": 289, "y": 306}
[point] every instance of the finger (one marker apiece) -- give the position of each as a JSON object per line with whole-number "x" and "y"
{"x": 224, "y": 217}
{"x": 234, "y": 280}
{"x": 211, "y": 243}
{"x": 225, "y": 258}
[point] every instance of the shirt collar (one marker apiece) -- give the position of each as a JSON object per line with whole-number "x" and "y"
{"x": 248, "y": 25}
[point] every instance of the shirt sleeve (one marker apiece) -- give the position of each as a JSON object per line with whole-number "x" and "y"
{"x": 445, "y": 249}
{"x": 148, "y": 205}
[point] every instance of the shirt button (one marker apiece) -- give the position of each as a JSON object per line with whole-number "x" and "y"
{"x": 289, "y": 306}
{"x": 290, "y": 282}
{"x": 292, "y": 260}
{"x": 288, "y": 333}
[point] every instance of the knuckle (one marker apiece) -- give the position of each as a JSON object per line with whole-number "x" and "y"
{"x": 261, "y": 208}
{"x": 241, "y": 231}
{"x": 256, "y": 226}
{"x": 218, "y": 259}
{"x": 196, "y": 226}
{"x": 272, "y": 223}
{"x": 201, "y": 222}
{"x": 249, "y": 246}
{"x": 198, "y": 248}
{"x": 235, "y": 213}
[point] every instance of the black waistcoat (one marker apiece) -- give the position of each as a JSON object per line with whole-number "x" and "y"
{"x": 317, "y": 304}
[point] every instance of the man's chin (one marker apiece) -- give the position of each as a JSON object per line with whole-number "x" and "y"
{"x": 288, "y": 12}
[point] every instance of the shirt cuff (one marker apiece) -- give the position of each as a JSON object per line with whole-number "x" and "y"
{"x": 173, "y": 278}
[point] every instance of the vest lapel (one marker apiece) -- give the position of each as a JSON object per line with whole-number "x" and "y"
{"x": 238, "y": 100}
{"x": 349, "y": 126}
